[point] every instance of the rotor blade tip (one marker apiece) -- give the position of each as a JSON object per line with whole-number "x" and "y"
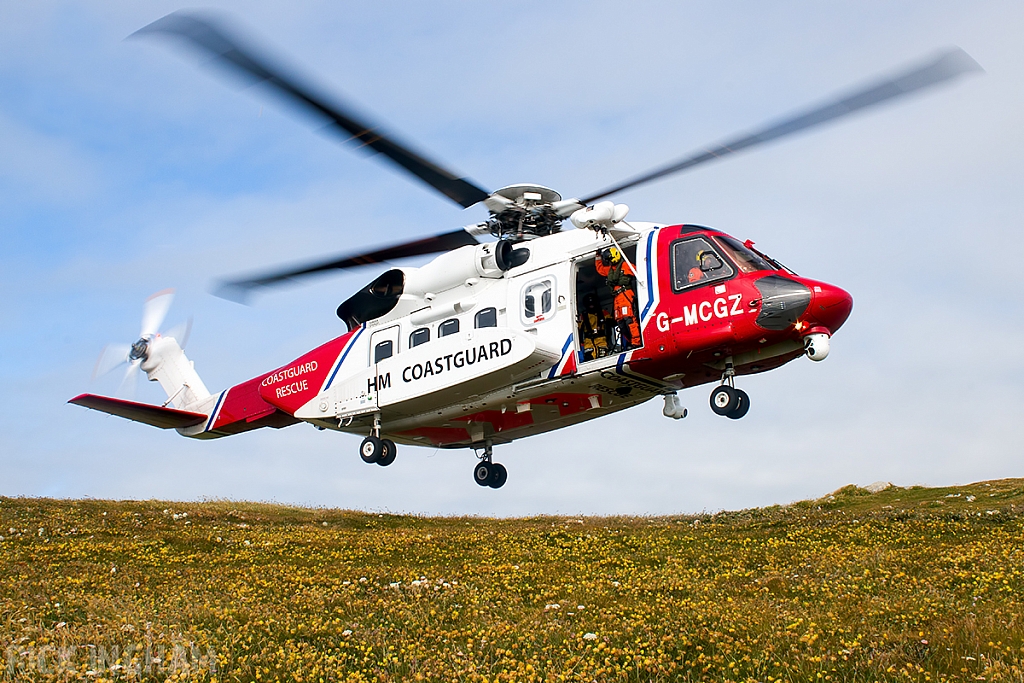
{"x": 959, "y": 62}
{"x": 232, "y": 291}
{"x": 174, "y": 22}
{"x": 162, "y": 292}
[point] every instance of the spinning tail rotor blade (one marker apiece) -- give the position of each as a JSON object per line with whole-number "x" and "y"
{"x": 112, "y": 356}
{"x": 130, "y": 384}
{"x": 180, "y": 332}
{"x": 154, "y": 311}
{"x": 947, "y": 66}
{"x": 209, "y": 36}
{"x": 239, "y": 290}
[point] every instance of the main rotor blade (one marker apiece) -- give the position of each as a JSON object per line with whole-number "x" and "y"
{"x": 211, "y": 37}
{"x": 948, "y": 65}
{"x": 239, "y": 290}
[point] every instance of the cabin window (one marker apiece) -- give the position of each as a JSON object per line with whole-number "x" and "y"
{"x": 448, "y": 327}
{"x": 420, "y": 336}
{"x": 695, "y": 263}
{"x": 747, "y": 260}
{"x": 539, "y": 301}
{"x": 486, "y": 318}
{"x": 383, "y": 350}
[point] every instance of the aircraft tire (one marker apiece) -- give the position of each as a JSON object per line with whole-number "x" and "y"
{"x": 499, "y": 475}
{"x": 482, "y": 473}
{"x": 388, "y": 453}
{"x": 724, "y": 400}
{"x": 742, "y": 407}
{"x": 371, "y": 449}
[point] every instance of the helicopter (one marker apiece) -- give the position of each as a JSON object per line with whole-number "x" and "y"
{"x": 517, "y": 327}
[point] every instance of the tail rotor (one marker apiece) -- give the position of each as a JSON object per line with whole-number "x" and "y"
{"x": 114, "y": 356}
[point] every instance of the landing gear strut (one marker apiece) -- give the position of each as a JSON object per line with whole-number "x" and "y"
{"x": 377, "y": 450}
{"x": 727, "y": 400}
{"x": 488, "y": 473}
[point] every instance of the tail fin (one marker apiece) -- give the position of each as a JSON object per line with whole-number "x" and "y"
{"x": 167, "y": 364}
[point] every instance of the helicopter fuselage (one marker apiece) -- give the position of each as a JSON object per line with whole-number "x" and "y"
{"x": 493, "y": 358}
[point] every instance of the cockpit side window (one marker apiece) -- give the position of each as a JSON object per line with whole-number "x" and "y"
{"x": 745, "y": 259}
{"x": 695, "y": 262}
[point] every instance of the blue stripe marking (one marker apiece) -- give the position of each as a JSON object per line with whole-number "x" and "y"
{"x": 216, "y": 408}
{"x": 619, "y": 363}
{"x": 650, "y": 282}
{"x": 565, "y": 346}
{"x": 344, "y": 355}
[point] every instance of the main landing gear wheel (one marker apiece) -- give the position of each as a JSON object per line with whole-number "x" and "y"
{"x": 487, "y": 472}
{"x": 482, "y": 473}
{"x": 390, "y": 450}
{"x": 499, "y": 475}
{"x": 371, "y": 449}
{"x": 742, "y": 408}
{"x": 491, "y": 474}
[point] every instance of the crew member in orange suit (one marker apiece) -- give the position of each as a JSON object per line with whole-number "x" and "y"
{"x": 613, "y": 268}
{"x": 625, "y": 317}
{"x": 620, "y": 276}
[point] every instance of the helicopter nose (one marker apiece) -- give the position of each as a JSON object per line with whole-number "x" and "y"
{"x": 830, "y": 306}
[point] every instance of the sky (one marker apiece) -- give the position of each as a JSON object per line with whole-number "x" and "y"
{"x": 130, "y": 166}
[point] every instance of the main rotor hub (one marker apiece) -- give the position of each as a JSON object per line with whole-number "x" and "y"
{"x": 527, "y": 194}
{"x": 523, "y": 212}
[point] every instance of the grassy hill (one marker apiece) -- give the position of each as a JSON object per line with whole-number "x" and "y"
{"x": 919, "y": 584}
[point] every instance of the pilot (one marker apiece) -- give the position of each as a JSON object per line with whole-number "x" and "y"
{"x": 705, "y": 262}
{"x": 594, "y": 324}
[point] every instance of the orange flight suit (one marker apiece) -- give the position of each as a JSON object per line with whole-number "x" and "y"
{"x": 603, "y": 270}
{"x": 625, "y": 316}
{"x": 625, "y": 301}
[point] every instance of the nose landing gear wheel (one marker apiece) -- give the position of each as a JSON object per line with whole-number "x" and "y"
{"x": 371, "y": 449}
{"x": 389, "y": 451}
{"x": 742, "y": 408}
{"x": 724, "y": 400}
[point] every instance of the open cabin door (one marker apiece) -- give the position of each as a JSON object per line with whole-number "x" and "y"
{"x": 607, "y": 323}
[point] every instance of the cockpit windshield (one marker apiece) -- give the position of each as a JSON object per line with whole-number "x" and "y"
{"x": 747, "y": 260}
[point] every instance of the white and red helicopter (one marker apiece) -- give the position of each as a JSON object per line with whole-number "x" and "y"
{"x": 498, "y": 340}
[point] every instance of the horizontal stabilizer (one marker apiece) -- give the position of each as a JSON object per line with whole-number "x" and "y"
{"x": 157, "y": 416}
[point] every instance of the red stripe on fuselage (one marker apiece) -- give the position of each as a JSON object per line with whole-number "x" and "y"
{"x": 242, "y": 403}
{"x": 293, "y": 385}
{"x": 287, "y": 389}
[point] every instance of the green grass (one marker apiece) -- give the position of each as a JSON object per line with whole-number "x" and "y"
{"x": 914, "y": 583}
